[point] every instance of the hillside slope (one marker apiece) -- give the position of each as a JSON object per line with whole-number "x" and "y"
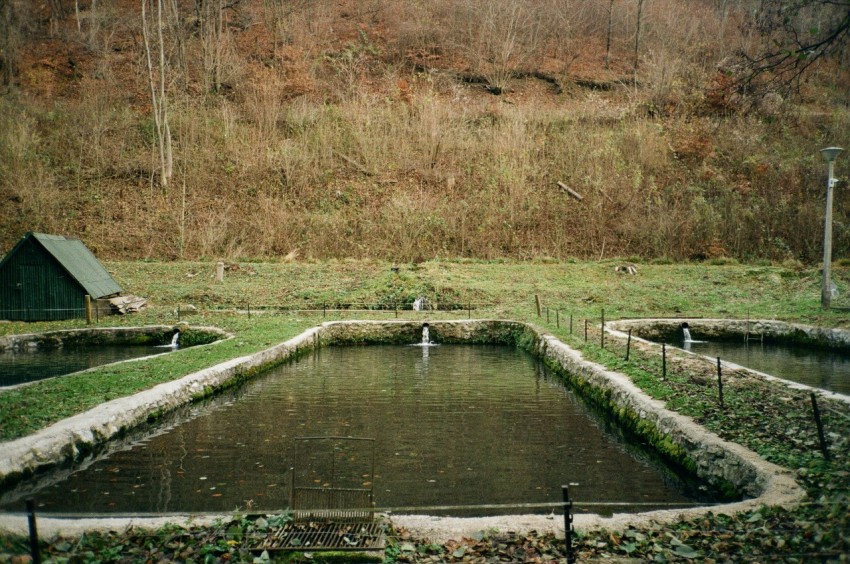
{"x": 410, "y": 130}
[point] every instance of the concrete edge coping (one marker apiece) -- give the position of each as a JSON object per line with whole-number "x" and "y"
{"x": 771, "y": 328}
{"x": 22, "y": 339}
{"x": 777, "y": 485}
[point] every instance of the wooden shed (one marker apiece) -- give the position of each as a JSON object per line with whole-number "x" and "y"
{"x": 46, "y": 277}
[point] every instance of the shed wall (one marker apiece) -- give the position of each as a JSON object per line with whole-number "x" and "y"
{"x": 34, "y": 287}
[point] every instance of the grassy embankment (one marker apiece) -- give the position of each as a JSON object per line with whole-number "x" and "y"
{"x": 769, "y": 419}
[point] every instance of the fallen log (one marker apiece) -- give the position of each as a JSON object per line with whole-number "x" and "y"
{"x": 570, "y": 191}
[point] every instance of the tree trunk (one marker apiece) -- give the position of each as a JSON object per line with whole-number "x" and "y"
{"x": 8, "y": 33}
{"x": 637, "y": 35}
{"x": 608, "y": 40}
{"x": 159, "y": 99}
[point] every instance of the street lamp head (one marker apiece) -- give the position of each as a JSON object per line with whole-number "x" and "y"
{"x": 830, "y": 153}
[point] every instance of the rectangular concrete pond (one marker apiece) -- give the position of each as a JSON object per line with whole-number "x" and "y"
{"x": 453, "y": 425}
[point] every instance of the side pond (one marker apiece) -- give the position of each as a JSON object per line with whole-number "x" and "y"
{"x": 36, "y": 356}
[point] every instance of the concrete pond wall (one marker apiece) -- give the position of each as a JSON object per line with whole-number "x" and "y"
{"x": 737, "y": 329}
{"x": 150, "y": 335}
{"x": 726, "y": 466}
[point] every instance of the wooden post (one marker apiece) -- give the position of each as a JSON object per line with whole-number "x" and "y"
{"x": 557, "y": 319}
{"x": 719, "y": 382}
{"x": 628, "y": 344}
{"x": 87, "y": 302}
{"x": 537, "y": 300}
{"x": 663, "y": 361}
{"x": 824, "y": 448}
{"x": 571, "y": 324}
{"x": 585, "y": 330}
{"x": 602, "y": 331}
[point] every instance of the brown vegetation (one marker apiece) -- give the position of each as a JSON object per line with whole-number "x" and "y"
{"x": 409, "y": 130}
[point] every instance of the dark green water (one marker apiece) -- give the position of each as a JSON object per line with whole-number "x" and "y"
{"x": 819, "y": 368}
{"x": 453, "y": 425}
{"x": 18, "y": 367}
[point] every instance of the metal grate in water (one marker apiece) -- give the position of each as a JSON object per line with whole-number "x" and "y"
{"x": 313, "y": 536}
{"x": 340, "y": 505}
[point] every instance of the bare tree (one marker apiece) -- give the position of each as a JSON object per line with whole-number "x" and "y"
{"x": 503, "y": 35}
{"x": 638, "y": 22}
{"x": 796, "y": 34}
{"x": 214, "y": 38}
{"x": 157, "y": 71}
{"x": 56, "y": 14}
{"x": 608, "y": 35}
{"x": 281, "y": 15}
{"x": 10, "y": 37}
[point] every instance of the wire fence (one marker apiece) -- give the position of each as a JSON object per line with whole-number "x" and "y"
{"x": 672, "y": 372}
{"x": 330, "y": 308}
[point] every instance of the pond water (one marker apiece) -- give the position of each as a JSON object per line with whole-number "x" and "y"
{"x": 452, "y": 425}
{"x": 18, "y": 367}
{"x": 820, "y": 368}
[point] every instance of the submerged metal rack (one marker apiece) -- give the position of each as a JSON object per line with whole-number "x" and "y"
{"x": 331, "y": 497}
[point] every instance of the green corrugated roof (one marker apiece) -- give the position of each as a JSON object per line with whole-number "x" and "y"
{"x": 80, "y": 263}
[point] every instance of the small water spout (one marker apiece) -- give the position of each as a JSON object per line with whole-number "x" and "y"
{"x": 426, "y": 335}
{"x": 173, "y": 344}
{"x": 688, "y": 339}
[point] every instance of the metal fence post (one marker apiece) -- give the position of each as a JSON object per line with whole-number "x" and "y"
{"x": 568, "y": 524}
{"x": 719, "y": 382}
{"x": 824, "y": 448}
{"x": 34, "y": 551}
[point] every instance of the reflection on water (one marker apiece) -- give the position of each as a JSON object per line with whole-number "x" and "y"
{"x": 819, "y": 368}
{"x": 453, "y": 425}
{"x": 17, "y": 367}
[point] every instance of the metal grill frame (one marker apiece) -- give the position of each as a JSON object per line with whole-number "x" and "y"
{"x": 329, "y": 503}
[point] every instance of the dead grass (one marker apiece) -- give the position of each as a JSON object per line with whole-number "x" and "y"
{"x": 340, "y": 146}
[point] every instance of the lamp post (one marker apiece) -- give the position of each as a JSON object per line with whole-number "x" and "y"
{"x": 829, "y": 155}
